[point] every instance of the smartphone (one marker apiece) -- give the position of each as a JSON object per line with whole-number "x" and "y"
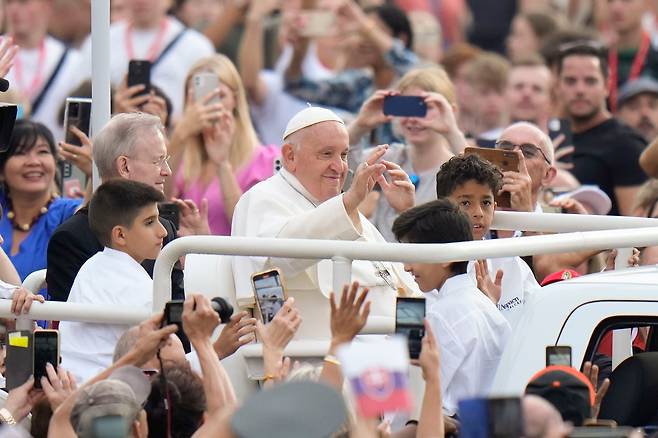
{"x": 317, "y": 23}
{"x": 171, "y": 212}
{"x": 490, "y": 417}
{"x": 504, "y": 160}
{"x": 270, "y": 293}
{"x": 173, "y": 313}
{"x": 410, "y": 322}
{"x": 46, "y": 350}
{"x": 558, "y": 355}
{"x": 405, "y": 106}
{"x": 205, "y": 83}
{"x": 110, "y": 426}
{"x": 8, "y": 114}
{"x": 19, "y": 358}
{"x": 77, "y": 112}
{"x": 139, "y": 73}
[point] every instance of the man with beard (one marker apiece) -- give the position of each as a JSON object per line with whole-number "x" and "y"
{"x": 606, "y": 150}
{"x": 637, "y": 106}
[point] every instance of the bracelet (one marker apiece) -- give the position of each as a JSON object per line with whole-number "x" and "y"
{"x": 267, "y": 378}
{"x": 330, "y": 358}
{"x": 6, "y": 417}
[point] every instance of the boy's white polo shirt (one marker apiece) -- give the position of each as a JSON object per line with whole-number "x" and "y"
{"x": 471, "y": 334}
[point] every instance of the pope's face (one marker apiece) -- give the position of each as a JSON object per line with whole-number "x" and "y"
{"x": 319, "y": 159}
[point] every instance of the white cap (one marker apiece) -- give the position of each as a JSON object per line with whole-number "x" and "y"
{"x": 308, "y": 117}
{"x": 592, "y": 197}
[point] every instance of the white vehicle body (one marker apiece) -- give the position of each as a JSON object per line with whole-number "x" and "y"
{"x": 567, "y": 313}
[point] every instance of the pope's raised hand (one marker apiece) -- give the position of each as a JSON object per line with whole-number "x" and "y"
{"x": 364, "y": 180}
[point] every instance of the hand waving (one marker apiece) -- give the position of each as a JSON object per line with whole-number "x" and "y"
{"x": 350, "y": 318}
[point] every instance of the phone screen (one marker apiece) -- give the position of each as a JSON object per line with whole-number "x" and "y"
{"x": 409, "y": 321}
{"x": 556, "y": 355}
{"x": 174, "y": 312}
{"x": 269, "y": 293}
{"x": 46, "y": 350}
{"x": 110, "y": 426}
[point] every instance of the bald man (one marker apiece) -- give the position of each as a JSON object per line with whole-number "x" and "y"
{"x": 304, "y": 201}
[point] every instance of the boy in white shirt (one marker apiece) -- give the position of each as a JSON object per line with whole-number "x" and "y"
{"x": 471, "y": 332}
{"x": 470, "y": 182}
{"x": 123, "y": 215}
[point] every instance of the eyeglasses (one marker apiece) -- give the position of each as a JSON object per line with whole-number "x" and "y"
{"x": 161, "y": 162}
{"x": 582, "y": 46}
{"x": 528, "y": 150}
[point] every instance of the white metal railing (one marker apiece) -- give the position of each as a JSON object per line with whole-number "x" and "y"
{"x": 344, "y": 252}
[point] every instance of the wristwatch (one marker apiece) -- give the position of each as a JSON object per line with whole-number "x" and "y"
{"x": 6, "y": 417}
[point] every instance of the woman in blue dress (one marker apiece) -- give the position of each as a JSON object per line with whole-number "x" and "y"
{"x": 30, "y": 203}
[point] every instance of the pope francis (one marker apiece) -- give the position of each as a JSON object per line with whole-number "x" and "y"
{"x": 304, "y": 201}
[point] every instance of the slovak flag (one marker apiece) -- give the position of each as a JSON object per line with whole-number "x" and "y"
{"x": 377, "y": 371}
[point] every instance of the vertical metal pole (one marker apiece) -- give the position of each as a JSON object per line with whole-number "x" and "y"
{"x": 100, "y": 70}
{"x": 342, "y": 272}
{"x": 622, "y": 343}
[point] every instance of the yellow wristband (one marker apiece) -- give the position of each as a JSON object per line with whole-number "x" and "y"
{"x": 268, "y": 377}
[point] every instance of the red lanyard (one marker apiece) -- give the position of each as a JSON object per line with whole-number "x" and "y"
{"x": 156, "y": 46}
{"x": 636, "y": 67}
{"x": 37, "y": 78}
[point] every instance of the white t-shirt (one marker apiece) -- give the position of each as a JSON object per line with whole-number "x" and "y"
{"x": 170, "y": 72}
{"x": 68, "y": 78}
{"x": 472, "y": 335}
{"x": 112, "y": 278}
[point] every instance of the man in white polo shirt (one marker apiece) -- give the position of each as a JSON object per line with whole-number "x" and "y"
{"x": 304, "y": 201}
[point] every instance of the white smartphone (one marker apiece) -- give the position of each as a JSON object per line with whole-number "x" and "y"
{"x": 205, "y": 83}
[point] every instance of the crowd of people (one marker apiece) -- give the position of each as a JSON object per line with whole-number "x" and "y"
{"x": 295, "y": 139}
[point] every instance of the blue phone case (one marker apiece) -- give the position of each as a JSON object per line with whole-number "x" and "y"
{"x": 405, "y": 106}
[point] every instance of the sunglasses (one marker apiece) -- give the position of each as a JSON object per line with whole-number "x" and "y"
{"x": 528, "y": 150}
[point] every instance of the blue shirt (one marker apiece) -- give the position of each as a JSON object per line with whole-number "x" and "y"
{"x": 31, "y": 255}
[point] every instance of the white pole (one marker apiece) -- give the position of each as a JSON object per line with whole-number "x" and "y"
{"x": 100, "y": 70}
{"x": 622, "y": 340}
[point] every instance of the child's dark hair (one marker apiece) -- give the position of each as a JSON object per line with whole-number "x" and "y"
{"x": 458, "y": 170}
{"x": 438, "y": 221}
{"x": 118, "y": 202}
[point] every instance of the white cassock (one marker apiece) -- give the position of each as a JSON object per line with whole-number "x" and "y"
{"x": 282, "y": 207}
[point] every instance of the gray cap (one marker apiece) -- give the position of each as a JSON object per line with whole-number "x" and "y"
{"x": 121, "y": 397}
{"x": 636, "y": 87}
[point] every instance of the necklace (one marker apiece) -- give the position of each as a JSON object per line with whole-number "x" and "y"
{"x": 26, "y": 227}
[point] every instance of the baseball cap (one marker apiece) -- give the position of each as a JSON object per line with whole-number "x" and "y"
{"x": 308, "y": 117}
{"x": 591, "y": 196}
{"x": 565, "y": 388}
{"x": 637, "y": 86}
{"x": 121, "y": 395}
{"x": 294, "y": 409}
{"x": 560, "y": 275}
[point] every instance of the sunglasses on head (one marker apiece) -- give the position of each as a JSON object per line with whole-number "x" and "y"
{"x": 528, "y": 150}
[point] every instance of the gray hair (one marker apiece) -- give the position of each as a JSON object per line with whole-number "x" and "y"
{"x": 545, "y": 143}
{"x": 125, "y": 343}
{"x": 120, "y": 137}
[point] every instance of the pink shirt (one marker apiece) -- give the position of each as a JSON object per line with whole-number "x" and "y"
{"x": 260, "y": 168}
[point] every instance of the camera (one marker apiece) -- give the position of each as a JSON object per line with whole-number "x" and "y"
{"x": 174, "y": 310}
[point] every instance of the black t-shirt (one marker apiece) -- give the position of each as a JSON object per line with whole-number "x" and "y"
{"x": 607, "y": 155}
{"x": 626, "y": 58}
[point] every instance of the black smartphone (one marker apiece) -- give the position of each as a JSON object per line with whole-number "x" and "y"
{"x": 7, "y": 119}
{"x": 173, "y": 313}
{"x": 558, "y": 355}
{"x": 405, "y": 106}
{"x": 46, "y": 350}
{"x": 171, "y": 212}
{"x": 490, "y": 417}
{"x": 139, "y": 73}
{"x": 19, "y": 358}
{"x": 270, "y": 293}
{"x": 410, "y": 322}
